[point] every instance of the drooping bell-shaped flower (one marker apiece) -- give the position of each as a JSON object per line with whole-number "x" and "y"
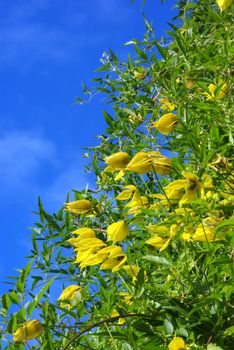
{"x": 81, "y": 206}
{"x": 117, "y": 231}
{"x": 29, "y": 330}
{"x": 224, "y": 4}
{"x": 166, "y": 124}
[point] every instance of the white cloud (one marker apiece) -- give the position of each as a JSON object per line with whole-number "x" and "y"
{"x": 72, "y": 177}
{"x": 35, "y": 30}
{"x": 21, "y": 156}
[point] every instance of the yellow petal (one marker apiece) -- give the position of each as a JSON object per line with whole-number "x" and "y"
{"x": 117, "y": 160}
{"x": 177, "y": 343}
{"x": 166, "y": 124}
{"x": 81, "y": 206}
{"x": 117, "y": 231}
{"x": 29, "y": 330}
{"x": 224, "y": 4}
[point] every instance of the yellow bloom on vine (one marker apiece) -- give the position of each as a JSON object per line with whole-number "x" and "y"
{"x": 117, "y": 160}
{"x": 117, "y": 231}
{"x": 224, "y": 4}
{"x": 127, "y": 297}
{"x": 127, "y": 193}
{"x": 167, "y": 105}
{"x": 115, "y": 314}
{"x": 81, "y": 206}
{"x": 216, "y": 91}
{"x": 29, "y": 330}
{"x": 84, "y": 231}
{"x": 115, "y": 261}
{"x": 137, "y": 203}
{"x": 163, "y": 236}
{"x": 177, "y": 343}
{"x": 70, "y": 296}
{"x": 166, "y": 124}
{"x": 144, "y": 162}
{"x": 205, "y": 230}
{"x": 188, "y": 189}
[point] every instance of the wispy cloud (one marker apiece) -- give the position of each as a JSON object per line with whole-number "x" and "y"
{"x": 22, "y": 154}
{"x": 27, "y": 30}
{"x": 72, "y": 177}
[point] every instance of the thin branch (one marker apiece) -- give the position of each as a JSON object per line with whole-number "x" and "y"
{"x": 107, "y": 320}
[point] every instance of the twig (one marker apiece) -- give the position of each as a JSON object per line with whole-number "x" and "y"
{"x": 107, "y": 320}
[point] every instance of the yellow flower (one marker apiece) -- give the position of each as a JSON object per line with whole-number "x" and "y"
{"x": 166, "y": 104}
{"x": 29, "y": 330}
{"x": 177, "y": 343}
{"x": 216, "y": 92}
{"x": 159, "y": 242}
{"x": 132, "y": 270}
{"x": 135, "y": 119}
{"x": 166, "y": 124}
{"x": 115, "y": 314}
{"x": 224, "y": 4}
{"x": 205, "y": 230}
{"x": 117, "y": 160}
{"x": 188, "y": 189}
{"x": 86, "y": 231}
{"x": 115, "y": 262}
{"x": 220, "y": 163}
{"x": 81, "y": 206}
{"x": 126, "y": 194}
{"x": 127, "y": 297}
{"x": 163, "y": 236}
{"x": 136, "y": 203}
{"x": 70, "y": 296}
{"x": 117, "y": 231}
{"x": 86, "y": 243}
{"x": 143, "y": 163}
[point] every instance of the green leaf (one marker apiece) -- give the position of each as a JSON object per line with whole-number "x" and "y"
{"x": 212, "y": 346}
{"x": 6, "y": 301}
{"x": 140, "y": 53}
{"x": 38, "y": 297}
{"x": 110, "y": 121}
{"x": 157, "y": 260}
{"x": 168, "y": 326}
{"x": 12, "y": 324}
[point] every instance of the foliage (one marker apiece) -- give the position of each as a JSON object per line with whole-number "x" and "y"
{"x": 145, "y": 259}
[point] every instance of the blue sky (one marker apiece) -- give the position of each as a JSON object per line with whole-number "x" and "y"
{"x": 47, "y": 49}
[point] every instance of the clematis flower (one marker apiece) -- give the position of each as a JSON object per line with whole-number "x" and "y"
{"x": 216, "y": 92}
{"x": 117, "y": 160}
{"x": 205, "y": 230}
{"x": 143, "y": 163}
{"x": 167, "y": 105}
{"x": 177, "y": 343}
{"x": 84, "y": 231}
{"x": 114, "y": 262}
{"x": 29, "y": 330}
{"x": 117, "y": 231}
{"x": 132, "y": 270}
{"x": 81, "y": 206}
{"x": 115, "y": 314}
{"x": 137, "y": 203}
{"x": 127, "y": 193}
{"x": 70, "y": 296}
{"x": 188, "y": 189}
{"x": 135, "y": 119}
{"x": 224, "y": 4}
{"x": 166, "y": 124}
{"x": 163, "y": 236}
{"x": 127, "y": 297}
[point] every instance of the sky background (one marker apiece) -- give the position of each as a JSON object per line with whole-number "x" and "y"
{"x": 47, "y": 49}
